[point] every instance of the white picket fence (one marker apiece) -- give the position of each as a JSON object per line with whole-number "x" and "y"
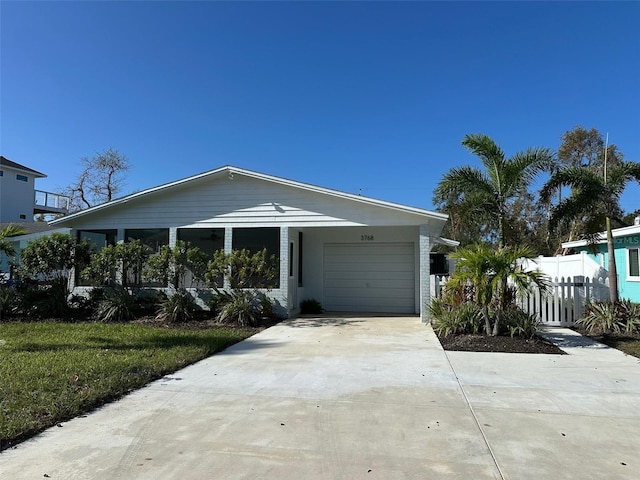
{"x": 563, "y": 303}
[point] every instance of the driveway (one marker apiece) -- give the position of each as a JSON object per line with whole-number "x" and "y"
{"x": 359, "y": 398}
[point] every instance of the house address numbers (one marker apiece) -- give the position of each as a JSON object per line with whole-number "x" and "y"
{"x": 366, "y": 238}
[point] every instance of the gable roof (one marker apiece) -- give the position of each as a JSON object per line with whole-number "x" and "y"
{"x": 230, "y": 171}
{"x": 11, "y": 164}
{"x": 602, "y": 236}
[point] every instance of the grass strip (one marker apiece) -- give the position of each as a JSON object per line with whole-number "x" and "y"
{"x": 51, "y": 372}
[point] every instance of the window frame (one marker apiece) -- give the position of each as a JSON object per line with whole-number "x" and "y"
{"x": 630, "y": 277}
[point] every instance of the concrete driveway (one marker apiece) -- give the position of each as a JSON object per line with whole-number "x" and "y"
{"x": 359, "y": 398}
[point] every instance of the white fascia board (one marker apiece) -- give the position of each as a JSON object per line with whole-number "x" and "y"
{"x": 602, "y": 236}
{"x": 229, "y": 170}
{"x": 447, "y": 242}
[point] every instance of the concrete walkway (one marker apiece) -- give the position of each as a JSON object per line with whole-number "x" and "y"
{"x": 359, "y": 398}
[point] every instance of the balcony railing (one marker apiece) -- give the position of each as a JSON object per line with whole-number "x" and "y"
{"x": 47, "y": 202}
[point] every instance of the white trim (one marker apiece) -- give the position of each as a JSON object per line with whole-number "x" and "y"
{"x": 630, "y": 278}
{"x": 602, "y": 236}
{"x": 231, "y": 171}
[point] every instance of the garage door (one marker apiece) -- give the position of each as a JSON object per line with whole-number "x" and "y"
{"x": 369, "y": 277}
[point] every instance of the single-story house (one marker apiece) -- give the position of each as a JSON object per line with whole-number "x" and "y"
{"x": 349, "y": 252}
{"x": 626, "y": 243}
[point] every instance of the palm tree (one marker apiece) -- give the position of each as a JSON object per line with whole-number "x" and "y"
{"x": 591, "y": 195}
{"x": 488, "y": 192}
{"x": 6, "y": 246}
{"x": 488, "y": 270}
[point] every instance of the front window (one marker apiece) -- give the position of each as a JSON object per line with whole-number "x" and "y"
{"x": 153, "y": 239}
{"x": 97, "y": 239}
{"x": 633, "y": 263}
{"x": 257, "y": 239}
{"x": 208, "y": 240}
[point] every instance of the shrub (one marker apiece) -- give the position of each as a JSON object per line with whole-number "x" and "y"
{"x": 179, "y": 307}
{"x": 607, "y": 317}
{"x": 239, "y": 306}
{"x": 519, "y": 323}
{"x": 311, "y": 306}
{"x": 215, "y": 302}
{"x": 8, "y": 300}
{"x": 266, "y": 307}
{"x": 116, "y": 306}
{"x": 44, "y": 301}
{"x": 449, "y": 320}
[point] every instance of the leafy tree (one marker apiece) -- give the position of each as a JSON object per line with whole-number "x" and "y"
{"x": 478, "y": 197}
{"x": 585, "y": 148}
{"x": 629, "y": 219}
{"x": 101, "y": 178}
{"x": 126, "y": 258}
{"x": 592, "y": 201}
{"x": 242, "y": 269}
{"x": 103, "y": 266}
{"x": 488, "y": 270}
{"x": 133, "y": 256}
{"x": 582, "y": 148}
{"x": 170, "y": 265}
{"x": 53, "y": 256}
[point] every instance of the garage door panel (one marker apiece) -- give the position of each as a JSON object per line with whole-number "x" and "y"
{"x": 366, "y": 292}
{"x": 369, "y": 277}
{"x": 397, "y": 284}
{"x": 361, "y": 249}
{"x": 370, "y": 271}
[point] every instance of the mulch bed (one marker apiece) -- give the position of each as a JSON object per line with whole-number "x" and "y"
{"x": 483, "y": 343}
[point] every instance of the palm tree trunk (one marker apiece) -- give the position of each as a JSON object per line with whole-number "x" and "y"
{"x": 487, "y": 322}
{"x": 496, "y": 323}
{"x": 613, "y": 271}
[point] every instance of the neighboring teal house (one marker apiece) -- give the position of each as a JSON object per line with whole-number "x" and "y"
{"x": 626, "y": 242}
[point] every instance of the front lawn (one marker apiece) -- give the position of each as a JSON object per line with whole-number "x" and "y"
{"x": 51, "y": 372}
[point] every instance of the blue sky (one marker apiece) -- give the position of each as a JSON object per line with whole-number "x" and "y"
{"x": 370, "y": 97}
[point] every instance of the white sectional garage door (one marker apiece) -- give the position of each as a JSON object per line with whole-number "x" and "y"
{"x": 376, "y": 277}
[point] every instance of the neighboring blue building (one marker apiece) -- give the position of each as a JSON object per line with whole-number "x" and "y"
{"x": 626, "y": 242}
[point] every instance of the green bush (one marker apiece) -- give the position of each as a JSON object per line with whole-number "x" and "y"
{"x": 450, "y": 320}
{"x": 239, "y": 306}
{"x": 43, "y": 301}
{"x": 311, "y": 306}
{"x": 8, "y": 300}
{"x": 519, "y": 323}
{"x": 607, "y": 317}
{"x": 179, "y": 307}
{"x": 116, "y": 306}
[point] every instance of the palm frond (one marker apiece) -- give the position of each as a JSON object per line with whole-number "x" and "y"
{"x": 484, "y": 147}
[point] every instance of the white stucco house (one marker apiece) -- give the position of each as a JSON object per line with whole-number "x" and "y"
{"x": 349, "y": 252}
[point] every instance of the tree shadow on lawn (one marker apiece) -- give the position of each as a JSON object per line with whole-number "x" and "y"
{"x": 150, "y": 342}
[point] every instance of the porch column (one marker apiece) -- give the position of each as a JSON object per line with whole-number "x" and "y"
{"x": 282, "y": 295}
{"x": 425, "y": 273}
{"x": 228, "y": 247}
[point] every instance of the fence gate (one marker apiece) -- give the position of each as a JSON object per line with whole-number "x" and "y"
{"x": 561, "y": 306}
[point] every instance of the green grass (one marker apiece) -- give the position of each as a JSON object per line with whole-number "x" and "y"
{"x": 51, "y": 372}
